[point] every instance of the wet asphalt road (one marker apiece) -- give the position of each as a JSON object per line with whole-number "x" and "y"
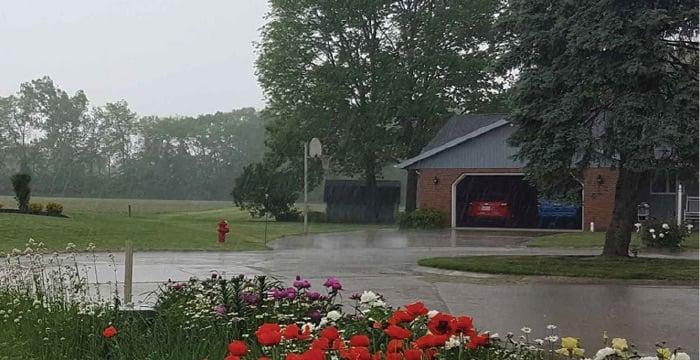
{"x": 385, "y": 261}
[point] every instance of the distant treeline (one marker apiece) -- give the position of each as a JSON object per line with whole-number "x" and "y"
{"x": 71, "y": 149}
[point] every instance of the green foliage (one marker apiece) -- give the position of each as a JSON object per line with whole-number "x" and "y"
{"x": 263, "y": 189}
{"x": 423, "y": 219}
{"x": 54, "y": 208}
{"x": 20, "y": 185}
{"x": 36, "y": 207}
{"x": 603, "y": 83}
{"x": 373, "y": 80}
{"x": 659, "y": 234}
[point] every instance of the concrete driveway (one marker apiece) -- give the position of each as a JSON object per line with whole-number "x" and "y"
{"x": 385, "y": 261}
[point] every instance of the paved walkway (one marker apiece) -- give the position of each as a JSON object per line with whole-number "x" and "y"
{"x": 385, "y": 261}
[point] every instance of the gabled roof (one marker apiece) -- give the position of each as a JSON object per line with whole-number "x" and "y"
{"x": 457, "y": 130}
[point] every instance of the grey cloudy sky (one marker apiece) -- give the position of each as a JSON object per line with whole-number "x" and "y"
{"x": 164, "y": 57}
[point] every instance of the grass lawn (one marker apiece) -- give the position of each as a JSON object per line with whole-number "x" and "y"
{"x": 575, "y": 266}
{"x": 592, "y": 240}
{"x": 154, "y": 225}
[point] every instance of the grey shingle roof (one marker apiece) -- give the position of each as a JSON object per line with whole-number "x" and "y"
{"x": 460, "y": 125}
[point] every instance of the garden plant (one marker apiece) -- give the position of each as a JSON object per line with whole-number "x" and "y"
{"x": 53, "y": 308}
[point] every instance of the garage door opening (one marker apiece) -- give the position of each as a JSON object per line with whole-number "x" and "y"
{"x": 507, "y": 201}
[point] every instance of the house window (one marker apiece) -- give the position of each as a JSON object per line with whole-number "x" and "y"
{"x": 664, "y": 182}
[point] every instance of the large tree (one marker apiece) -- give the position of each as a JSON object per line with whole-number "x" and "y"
{"x": 604, "y": 83}
{"x": 372, "y": 79}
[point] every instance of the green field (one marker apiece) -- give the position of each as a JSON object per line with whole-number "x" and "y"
{"x": 683, "y": 270}
{"x": 592, "y": 240}
{"x": 154, "y": 225}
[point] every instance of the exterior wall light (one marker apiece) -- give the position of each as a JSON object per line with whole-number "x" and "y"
{"x": 436, "y": 180}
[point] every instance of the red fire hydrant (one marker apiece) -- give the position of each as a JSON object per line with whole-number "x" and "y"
{"x": 223, "y": 230}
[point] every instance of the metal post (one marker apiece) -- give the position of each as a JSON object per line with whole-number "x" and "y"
{"x": 679, "y": 211}
{"x": 129, "y": 210}
{"x": 128, "y": 271}
{"x": 267, "y": 197}
{"x": 306, "y": 187}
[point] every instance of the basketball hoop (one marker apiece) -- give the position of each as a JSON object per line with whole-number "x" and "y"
{"x": 315, "y": 148}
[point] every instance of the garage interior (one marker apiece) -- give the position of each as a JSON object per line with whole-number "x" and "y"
{"x": 506, "y": 201}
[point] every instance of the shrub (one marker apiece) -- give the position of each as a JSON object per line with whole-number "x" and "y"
{"x": 292, "y": 215}
{"x": 264, "y": 189}
{"x": 659, "y": 234}
{"x": 54, "y": 208}
{"x": 20, "y": 184}
{"x": 423, "y": 219}
{"x": 36, "y": 207}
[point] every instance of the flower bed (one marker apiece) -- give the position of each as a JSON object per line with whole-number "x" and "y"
{"x": 50, "y": 310}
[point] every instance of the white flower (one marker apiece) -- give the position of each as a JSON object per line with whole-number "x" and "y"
{"x": 665, "y": 226}
{"x": 368, "y": 297}
{"x": 649, "y": 358}
{"x": 680, "y": 356}
{"x": 689, "y": 227}
{"x": 333, "y": 315}
{"x": 452, "y": 342}
{"x": 661, "y": 235}
{"x": 539, "y": 342}
{"x": 526, "y": 330}
{"x": 652, "y": 231}
{"x": 551, "y": 327}
{"x": 552, "y": 338}
{"x": 653, "y": 236}
{"x": 603, "y": 353}
{"x": 494, "y": 336}
{"x": 432, "y": 313}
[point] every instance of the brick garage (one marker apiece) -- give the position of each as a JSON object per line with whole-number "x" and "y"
{"x": 477, "y": 144}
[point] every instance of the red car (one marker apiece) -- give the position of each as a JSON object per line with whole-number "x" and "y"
{"x": 488, "y": 211}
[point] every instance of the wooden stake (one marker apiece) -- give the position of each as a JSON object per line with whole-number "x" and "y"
{"x": 128, "y": 271}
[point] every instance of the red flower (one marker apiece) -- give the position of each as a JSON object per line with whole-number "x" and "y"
{"x": 400, "y": 316}
{"x": 476, "y": 341}
{"x": 268, "y": 334}
{"x": 430, "y": 341}
{"x": 440, "y": 324}
{"x": 462, "y": 325}
{"x": 355, "y": 353}
{"x": 330, "y": 333}
{"x": 313, "y": 354}
{"x": 377, "y": 355}
{"x": 394, "y": 345}
{"x": 417, "y": 309}
{"x": 320, "y": 343}
{"x": 394, "y": 356}
{"x": 430, "y": 353}
{"x": 232, "y": 357}
{"x": 397, "y": 332}
{"x": 109, "y": 332}
{"x": 376, "y": 325}
{"x": 291, "y": 332}
{"x": 263, "y": 358}
{"x": 413, "y": 354}
{"x": 237, "y": 348}
{"x": 293, "y": 356}
{"x": 359, "y": 340}
{"x": 338, "y": 344}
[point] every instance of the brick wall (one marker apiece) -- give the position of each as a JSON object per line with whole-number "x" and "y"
{"x": 598, "y": 199}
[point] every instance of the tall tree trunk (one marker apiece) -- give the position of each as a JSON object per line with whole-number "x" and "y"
{"x": 619, "y": 233}
{"x": 411, "y": 190}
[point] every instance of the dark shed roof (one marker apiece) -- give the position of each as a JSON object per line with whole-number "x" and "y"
{"x": 460, "y": 125}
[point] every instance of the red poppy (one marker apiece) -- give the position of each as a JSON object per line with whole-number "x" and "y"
{"x": 394, "y": 356}
{"x": 268, "y": 334}
{"x": 109, "y": 332}
{"x": 293, "y": 356}
{"x": 476, "y": 341}
{"x": 377, "y": 355}
{"x": 429, "y": 341}
{"x": 320, "y": 343}
{"x": 462, "y": 325}
{"x": 232, "y": 357}
{"x": 330, "y": 333}
{"x": 291, "y": 332}
{"x": 359, "y": 340}
{"x": 237, "y": 348}
{"x": 397, "y": 332}
{"x": 413, "y": 354}
{"x": 400, "y": 316}
{"x": 355, "y": 353}
{"x": 338, "y": 344}
{"x": 313, "y": 354}
{"x": 394, "y": 345}
{"x": 440, "y": 324}
{"x": 417, "y": 309}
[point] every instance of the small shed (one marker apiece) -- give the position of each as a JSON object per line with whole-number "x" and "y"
{"x": 354, "y": 201}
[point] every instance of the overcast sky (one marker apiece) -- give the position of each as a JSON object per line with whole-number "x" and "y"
{"x": 164, "y": 57}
